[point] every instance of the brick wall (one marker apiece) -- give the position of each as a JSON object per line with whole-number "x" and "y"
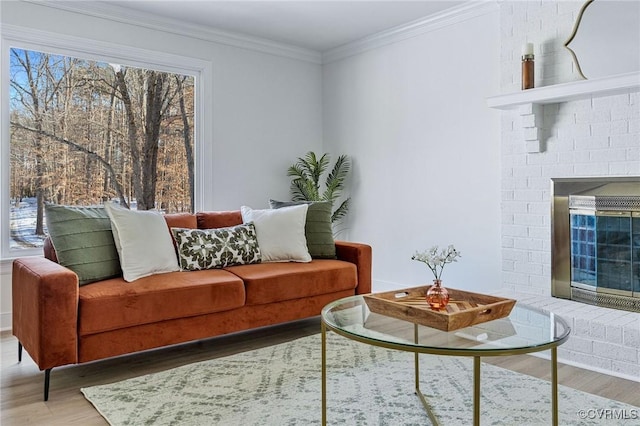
{"x": 591, "y": 137}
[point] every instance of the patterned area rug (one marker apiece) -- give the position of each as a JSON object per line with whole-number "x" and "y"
{"x": 280, "y": 385}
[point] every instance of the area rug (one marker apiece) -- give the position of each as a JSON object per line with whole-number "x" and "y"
{"x": 280, "y": 385}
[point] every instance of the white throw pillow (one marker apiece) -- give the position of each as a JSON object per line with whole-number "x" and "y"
{"x": 144, "y": 244}
{"x": 280, "y": 233}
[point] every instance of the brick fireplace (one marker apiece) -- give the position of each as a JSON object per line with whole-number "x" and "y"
{"x": 594, "y": 137}
{"x": 591, "y": 139}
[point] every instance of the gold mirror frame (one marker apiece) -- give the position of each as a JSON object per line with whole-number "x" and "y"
{"x": 606, "y": 38}
{"x": 576, "y": 25}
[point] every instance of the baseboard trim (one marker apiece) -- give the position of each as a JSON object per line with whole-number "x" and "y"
{"x": 378, "y": 286}
{"x": 547, "y": 356}
{"x": 5, "y": 321}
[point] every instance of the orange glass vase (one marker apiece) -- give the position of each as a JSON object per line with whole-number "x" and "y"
{"x": 437, "y": 296}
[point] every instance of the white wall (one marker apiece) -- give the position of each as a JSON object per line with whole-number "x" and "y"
{"x": 425, "y": 149}
{"x": 267, "y": 109}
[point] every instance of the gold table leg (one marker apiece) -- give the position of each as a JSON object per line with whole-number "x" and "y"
{"x": 324, "y": 374}
{"x": 476, "y": 391}
{"x": 554, "y": 385}
{"x": 425, "y": 403}
{"x": 417, "y": 363}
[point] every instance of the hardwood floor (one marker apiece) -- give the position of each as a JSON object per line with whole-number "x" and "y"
{"x": 21, "y": 384}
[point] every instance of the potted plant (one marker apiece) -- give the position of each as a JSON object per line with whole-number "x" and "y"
{"x": 306, "y": 176}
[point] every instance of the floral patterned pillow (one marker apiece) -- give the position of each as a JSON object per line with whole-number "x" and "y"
{"x": 216, "y": 248}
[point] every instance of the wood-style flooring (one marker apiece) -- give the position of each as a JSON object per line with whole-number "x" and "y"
{"x": 21, "y": 388}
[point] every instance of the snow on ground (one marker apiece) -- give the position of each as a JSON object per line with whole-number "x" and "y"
{"x": 23, "y": 225}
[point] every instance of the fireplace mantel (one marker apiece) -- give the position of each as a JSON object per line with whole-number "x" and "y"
{"x": 529, "y": 102}
{"x": 622, "y": 83}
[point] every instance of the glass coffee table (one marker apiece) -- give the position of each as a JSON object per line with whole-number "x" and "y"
{"x": 525, "y": 330}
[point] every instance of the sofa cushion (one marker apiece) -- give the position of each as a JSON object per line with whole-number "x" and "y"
{"x": 50, "y": 251}
{"x": 181, "y": 220}
{"x": 83, "y": 241}
{"x": 143, "y": 241}
{"x": 115, "y": 303}
{"x": 210, "y": 220}
{"x": 280, "y": 233}
{"x": 317, "y": 227}
{"x": 273, "y": 282}
{"x": 216, "y": 248}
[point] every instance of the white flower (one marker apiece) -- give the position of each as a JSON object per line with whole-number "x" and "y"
{"x": 436, "y": 260}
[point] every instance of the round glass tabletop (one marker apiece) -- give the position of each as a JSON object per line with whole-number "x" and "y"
{"x": 526, "y": 329}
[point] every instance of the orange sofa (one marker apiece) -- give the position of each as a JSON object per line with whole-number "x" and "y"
{"x": 59, "y": 322}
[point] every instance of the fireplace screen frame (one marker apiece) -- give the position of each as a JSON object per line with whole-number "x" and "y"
{"x": 561, "y": 286}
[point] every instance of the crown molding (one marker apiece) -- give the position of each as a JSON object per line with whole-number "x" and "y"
{"x": 63, "y": 44}
{"x": 454, "y": 15}
{"x": 104, "y": 10}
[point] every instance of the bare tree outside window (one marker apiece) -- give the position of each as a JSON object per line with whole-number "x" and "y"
{"x": 86, "y": 132}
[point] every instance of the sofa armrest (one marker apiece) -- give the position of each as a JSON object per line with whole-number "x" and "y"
{"x": 45, "y": 311}
{"x": 360, "y": 255}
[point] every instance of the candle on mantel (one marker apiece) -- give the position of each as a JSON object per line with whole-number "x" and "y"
{"x": 527, "y": 66}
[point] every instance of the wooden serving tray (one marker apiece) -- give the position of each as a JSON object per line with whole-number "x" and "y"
{"x": 464, "y": 309}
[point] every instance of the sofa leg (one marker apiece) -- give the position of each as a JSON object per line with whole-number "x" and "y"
{"x": 47, "y": 375}
{"x": 19, "y": 352}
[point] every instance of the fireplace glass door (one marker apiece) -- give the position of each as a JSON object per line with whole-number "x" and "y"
{"x": 635, "y": 252}
{"x": 595, "y": 241}
{"x": 583, "y": 249}
{"x": 604, "y": 252}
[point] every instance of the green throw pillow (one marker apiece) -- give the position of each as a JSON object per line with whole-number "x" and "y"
{"x": 217, "y": 248}
{"x": 317, "y": 227}
{"x": 83, "y": 241}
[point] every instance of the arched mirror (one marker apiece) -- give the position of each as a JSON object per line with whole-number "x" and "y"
{"x": 606, "y": 38}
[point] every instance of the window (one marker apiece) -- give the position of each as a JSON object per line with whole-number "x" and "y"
{"x": 86, "y": 127}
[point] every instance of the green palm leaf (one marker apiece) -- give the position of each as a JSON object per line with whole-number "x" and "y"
{"x": 335, "y": 180}
{"x": 305, "y": 183}
{"x": 314, "y": 167}
{"x": 302, "y": 190}
{"x": 341, "y": 211}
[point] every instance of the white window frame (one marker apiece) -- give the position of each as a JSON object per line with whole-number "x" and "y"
{"x": 44, "y": 41}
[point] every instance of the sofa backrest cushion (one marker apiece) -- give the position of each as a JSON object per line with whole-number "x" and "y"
{"x": 222, "y": 219}
{"x": 49, "y": 250}
{"x": 181, "y": 220}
